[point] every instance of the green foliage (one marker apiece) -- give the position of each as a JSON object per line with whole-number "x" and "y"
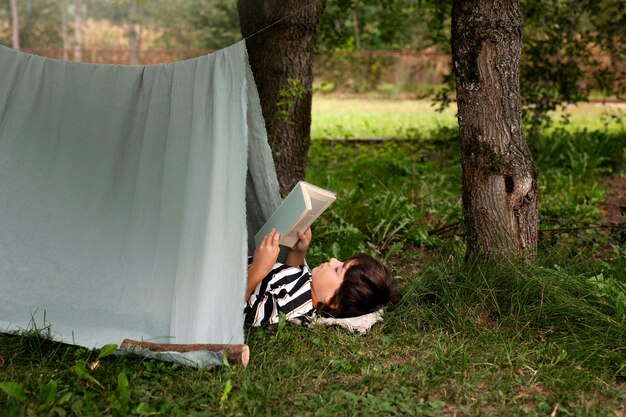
{"x": 570, "y": 49}
{"x": 106, "y": 350}
{"x": 228, "y": 386}
{"x": 613, "y": 291}
{"x": 570, "y": 163}
{"x": 403, "y": 119}
{"x": 5, "y": 23}
{"x": 184, "y": 24}
{"x": 389, "y": 219}
{"x": 564, "y": 42}
{"x": 13, "y": 390}
{"x": 121, "y": 399}
{"x": 580, "y": 151}
{"x": 388, "y": 194}
{"x": 497, "y": 339}
{"x": 39, "y": 23}
{"x": 373, "y": 25}
{"x": 48, "y": 396}
{"x": 195, "y": 24}
{"x": 399, "y": 194}
{"x": 287, "y": 97}
{"x": 556, "y": 304}
{"x": 80, "y": 369}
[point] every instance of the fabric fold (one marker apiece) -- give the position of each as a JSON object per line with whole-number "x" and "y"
{"x": 123, "y": 197}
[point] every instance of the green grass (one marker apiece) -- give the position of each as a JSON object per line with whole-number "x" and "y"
{"x": 459, "y": 342}
{"x": 375, "y": 118}
{"x": 378, "y": 118}
{"x": 592, "y": 116}
{"x": 497, "y": 339}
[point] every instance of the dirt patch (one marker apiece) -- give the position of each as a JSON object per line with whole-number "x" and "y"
{"x": 615, "y": 200}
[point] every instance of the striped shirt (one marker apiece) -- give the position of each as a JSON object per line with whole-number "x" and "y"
{"x": 285, "y": 289}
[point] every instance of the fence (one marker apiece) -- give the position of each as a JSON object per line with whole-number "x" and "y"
{"x": 118, "y": 56}
{"x": 382, "y": 71}
{"x": 342, "y": 71}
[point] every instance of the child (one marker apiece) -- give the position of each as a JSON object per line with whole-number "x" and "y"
{"x": 358, "y": 286}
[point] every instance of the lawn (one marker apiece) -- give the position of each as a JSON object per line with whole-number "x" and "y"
{"x": 347, "y": 118}
{"x": 497, "y": 339}
{"x": 375, "y": 118}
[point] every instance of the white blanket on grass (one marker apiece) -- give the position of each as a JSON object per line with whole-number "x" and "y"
{"x": 359, "y": 324}
{"x": 123, "y": 197}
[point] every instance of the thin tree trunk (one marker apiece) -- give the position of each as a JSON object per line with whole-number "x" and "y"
{"x": 15, "y": 25}
{"x": 357, "y": 26}
{"x": 281, "y": 58}
{"x": 64, "y": 38}
{"x": 78, "y": 30}
{"x": 499, "y": 175}
{"x": 133, "y": 56}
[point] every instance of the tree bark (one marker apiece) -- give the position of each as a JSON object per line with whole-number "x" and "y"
{"x": 499, "y": 178}
{"x": 15, "y": 25}
{"x": 281, "y": 58}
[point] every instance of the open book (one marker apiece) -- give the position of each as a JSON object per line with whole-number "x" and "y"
{"x": 297, "y": 212}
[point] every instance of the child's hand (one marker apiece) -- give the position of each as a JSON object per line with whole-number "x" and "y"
{"x": 265, "y": 254}
{"x": 295, "y": 256}
{"x": 304, "y": 240}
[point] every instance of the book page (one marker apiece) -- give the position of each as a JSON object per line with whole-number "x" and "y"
{"x": 319, "y": 203}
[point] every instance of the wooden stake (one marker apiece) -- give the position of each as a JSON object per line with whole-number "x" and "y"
{"x": 239, "y": 354}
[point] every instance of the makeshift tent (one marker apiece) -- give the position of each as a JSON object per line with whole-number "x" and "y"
{"x": 123, "y": 196}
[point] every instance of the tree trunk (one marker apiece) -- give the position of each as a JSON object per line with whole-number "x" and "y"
{"x": 15, "y": 25}
{"x": 281, "y": 58}
{"x": 357, "y": 27}
{"x": 133, "y": 45}
{"x": 78, "y": 30}
{"x": 499, "y": 175}
{"x": 64, "y": 38}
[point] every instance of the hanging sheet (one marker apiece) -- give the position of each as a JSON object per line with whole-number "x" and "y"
{"x": 123, "y": 197}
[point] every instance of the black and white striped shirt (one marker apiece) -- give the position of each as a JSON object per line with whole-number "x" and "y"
{"x": 285, "y": 289}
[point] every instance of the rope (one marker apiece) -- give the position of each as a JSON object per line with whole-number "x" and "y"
{"x": 282, "y": 18}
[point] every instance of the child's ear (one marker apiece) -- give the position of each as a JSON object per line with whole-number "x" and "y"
{"x": 332, "y": 302}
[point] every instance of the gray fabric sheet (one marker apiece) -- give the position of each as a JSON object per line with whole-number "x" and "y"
{"x": 197, "y": 359}
{"x": 123, "y": 195}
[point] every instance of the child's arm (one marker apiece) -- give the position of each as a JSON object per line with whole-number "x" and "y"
{"x": 295, "y": 256}
{"x": 265, "y": 256}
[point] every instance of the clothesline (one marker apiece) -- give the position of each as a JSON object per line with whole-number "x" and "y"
{"x": 282, "y": 18}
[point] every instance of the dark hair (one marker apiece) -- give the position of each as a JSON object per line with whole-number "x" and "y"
{"x": 366, "y": 287}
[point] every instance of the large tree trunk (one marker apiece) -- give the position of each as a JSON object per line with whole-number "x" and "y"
{"x": 499, "y": 175}
{"x": 15, "y": 25}
{"x": 281, "y": 58}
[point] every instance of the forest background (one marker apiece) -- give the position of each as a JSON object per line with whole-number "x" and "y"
{"x": 495, "y": 339}
{"x": 362, "y": 46}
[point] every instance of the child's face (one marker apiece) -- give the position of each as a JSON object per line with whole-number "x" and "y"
{"x": 327, "y": 278}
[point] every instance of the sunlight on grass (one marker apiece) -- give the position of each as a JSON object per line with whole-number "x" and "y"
{"x": 377, "y": 118}
{"x": 593, "y": 116}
